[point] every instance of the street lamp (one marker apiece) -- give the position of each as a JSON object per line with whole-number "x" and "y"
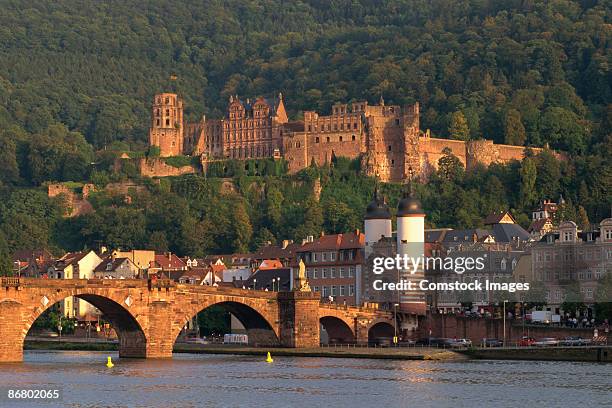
{"x": 273, "y": 280}
{"x": 254, "y": 284}
{"x": 395, "y": 323}
{"x": 505, "y": 301}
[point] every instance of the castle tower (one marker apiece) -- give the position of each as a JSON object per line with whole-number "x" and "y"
{"x": 412, "y": 156}
{"x": 167, "y": 128}
{"x": 411, "y": 242}
{"x": 377, "y": 221}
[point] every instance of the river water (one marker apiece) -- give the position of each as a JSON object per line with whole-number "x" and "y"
{"x": 190, "y": 380}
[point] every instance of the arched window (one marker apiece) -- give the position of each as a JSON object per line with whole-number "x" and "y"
{"x": 503, "y": 264}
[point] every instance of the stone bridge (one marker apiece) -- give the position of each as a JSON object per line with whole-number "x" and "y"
{"x": 149, "y": 315}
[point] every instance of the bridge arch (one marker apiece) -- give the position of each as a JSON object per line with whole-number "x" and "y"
{"x": 114, "y": 307}
{"x": 258, "y": 316}
{"x": 381, "y": 332}
{"x": 338, "y": 330}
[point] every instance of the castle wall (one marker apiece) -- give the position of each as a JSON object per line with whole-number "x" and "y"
{"x": 158, "y": 168}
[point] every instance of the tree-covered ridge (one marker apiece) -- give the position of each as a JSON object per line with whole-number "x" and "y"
{"x": 518, "y": 71}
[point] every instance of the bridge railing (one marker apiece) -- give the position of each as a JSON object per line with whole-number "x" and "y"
{"x": 10, "y": 281}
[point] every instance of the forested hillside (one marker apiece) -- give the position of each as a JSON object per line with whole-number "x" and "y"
{"x": 505, "y": 64}
{"x": 77, "y": 77}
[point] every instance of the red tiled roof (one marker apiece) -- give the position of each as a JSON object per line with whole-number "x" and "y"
{"x": 270, "y": 264}
{"x": 169, "y": 261}
{"x": 335, "y": 241}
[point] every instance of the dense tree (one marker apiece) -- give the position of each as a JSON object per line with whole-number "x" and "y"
{"x": 458, "y": 128}
{"x": 528, "y": 183}
{"x": 514, "y": 131}
{"x": 449, "y": 165}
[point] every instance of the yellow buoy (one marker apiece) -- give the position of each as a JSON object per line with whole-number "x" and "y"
{"x": 269, "y": 358}
{"x": 109, "y": 363}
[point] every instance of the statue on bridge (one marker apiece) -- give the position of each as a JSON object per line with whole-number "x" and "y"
{"x": 301, "y": 283}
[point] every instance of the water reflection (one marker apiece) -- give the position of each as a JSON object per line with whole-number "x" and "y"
{"x": 229, "y": 381}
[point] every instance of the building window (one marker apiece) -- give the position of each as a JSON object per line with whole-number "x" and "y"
{"x": 327, "y": 139}
{"x": 389, "y": 148}
{"x": 503, "y": 264}
{"x": 351, "y": 290}
{"x": 341, "y": 272}
{"x": 317, "y": 139}
{"x": 316, "y": 288}
{"x": 332, "y": 273}
{"x": 353, "y": 138}
{"x": 340, "y": 139}
{"x": 323, "y": 273}
{"x": 314, "y": 257}
{"x": 351, "y": 271}
{"x": 167, "y": 122}
{"x": 341, "y": 290}
{"x": 314, "y": 273}
{"x": 332, "y": 256}
{"x": 333, "y": 290}
{"x": 325, "y": 291}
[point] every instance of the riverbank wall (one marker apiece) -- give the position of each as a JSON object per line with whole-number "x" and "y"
{"x": 589, "y": 354}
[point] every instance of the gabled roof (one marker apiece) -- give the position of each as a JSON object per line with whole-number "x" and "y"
{"x": 169, "y": 261}
{"x": 509, "y": 233}
{"x": 538, "y": 225}
{"x": 497, "y": 217}
{"x": 115, "y": 263}
{"x": 73, "y": 258}
{"x": 466, "y": 235}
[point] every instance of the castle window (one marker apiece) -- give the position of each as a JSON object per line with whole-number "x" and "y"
{"x": 353, "y": 138}
{"x": 389, "y": 148}
{"x": 355, "y": 125}
{"x": 167, "y": 100}
{"x": 317, "y": 139}
{"x": 158, "y": 122}
{"x": 167, "y": 122}
{"x": 328, "y": 139}
{"x": 156, "y": 112}
{"x": 309, "y": 128}
{"x": 340, "y": 139}
{"x": 328, "y": 127}
{"x": 335, "y": 126}
{"x": 392, "y": 162}
{"x": 342, "y": 126}
{"x": 167, "y": 112}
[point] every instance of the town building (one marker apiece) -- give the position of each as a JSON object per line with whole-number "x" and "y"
{"x": 32, "y": 263}
{"x": 387, "y": 138}
{"x": 333, "y": 266}
{"x": 542, "y": 218}
{"x": 570, "y": 260}
{"x": 112, "y": 267}
{"x": 76, "y": 265}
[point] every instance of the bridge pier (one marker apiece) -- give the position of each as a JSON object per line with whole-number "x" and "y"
{"x": 299, "y": 319}
{"x": 12, "y": 332}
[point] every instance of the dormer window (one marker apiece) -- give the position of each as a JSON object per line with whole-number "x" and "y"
{"x": 109, "y": 266}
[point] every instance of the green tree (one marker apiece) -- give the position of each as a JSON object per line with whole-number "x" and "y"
{"x": 458, "y": 128}
{"x": 449, "y": 165}
{"x": 241, "y": 227}
{"x": 528, "y": 192}
{"x": 5, "y": 257}
{"x": 514, "y": 131}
